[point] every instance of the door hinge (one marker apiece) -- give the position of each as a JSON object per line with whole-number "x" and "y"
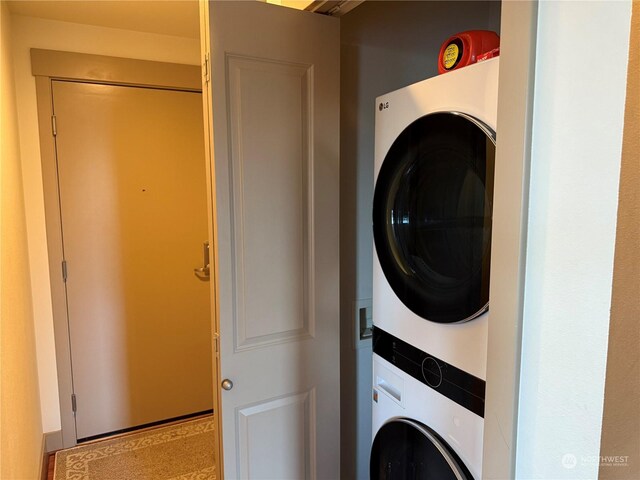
{"x": 74, "y": 405}
{"x": 64, "y": 271}
{"x": 206, "y": 67}
{"x": 54, "y": 127}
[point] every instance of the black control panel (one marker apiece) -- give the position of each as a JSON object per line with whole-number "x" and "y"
{"x": 455, "y": 384}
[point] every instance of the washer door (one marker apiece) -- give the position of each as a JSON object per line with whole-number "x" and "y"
{"x": 432, "y": 212}
{"x": 408, "y": 450}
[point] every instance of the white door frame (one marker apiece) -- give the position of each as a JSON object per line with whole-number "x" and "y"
{"x": 49, "y": 65}
{"x": 510, "y": 217}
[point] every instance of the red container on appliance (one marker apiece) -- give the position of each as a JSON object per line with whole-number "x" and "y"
{"x": 463, "y": 49}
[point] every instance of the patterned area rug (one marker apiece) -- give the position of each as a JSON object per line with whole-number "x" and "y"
{"x": 178, "y": 452}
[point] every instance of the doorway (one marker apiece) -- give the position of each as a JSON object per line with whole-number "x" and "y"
{"x": 126, "y": 204}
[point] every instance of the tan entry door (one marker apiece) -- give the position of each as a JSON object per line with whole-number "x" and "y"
{"x": 275, "y": 78}
{"x": 132, "y": 185}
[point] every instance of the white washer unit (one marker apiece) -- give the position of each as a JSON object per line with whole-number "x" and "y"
{"x": 420, "y": 433}
{"x": 432, "y": 213}
{"x": 434, "y": 162}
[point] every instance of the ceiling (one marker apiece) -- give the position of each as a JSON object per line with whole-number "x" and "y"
{"x": 168, "y": 17}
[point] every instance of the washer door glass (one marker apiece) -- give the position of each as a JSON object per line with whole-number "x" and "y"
{"x": 407, "y": 450}
{"x": 432, "y": 216}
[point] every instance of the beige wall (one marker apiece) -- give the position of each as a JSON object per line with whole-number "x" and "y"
{"x": 27, "y": 33}
{"x": 621, "y": 422}
{"x": 20, "y": 421}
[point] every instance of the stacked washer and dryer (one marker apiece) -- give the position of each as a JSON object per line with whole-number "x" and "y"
{"x": 432, "y": 213}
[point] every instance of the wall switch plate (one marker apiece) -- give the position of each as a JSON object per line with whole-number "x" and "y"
{"x": 363, "y": 322}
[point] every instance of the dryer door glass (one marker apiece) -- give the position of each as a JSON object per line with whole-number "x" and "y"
{"x": 432, "y": 216}
{"x": 407, "y": 450}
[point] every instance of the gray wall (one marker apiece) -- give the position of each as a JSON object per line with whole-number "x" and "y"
{"x": 385, "y": 45}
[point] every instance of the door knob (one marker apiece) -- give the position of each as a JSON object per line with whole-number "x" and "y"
{"x": 227, "y": 384}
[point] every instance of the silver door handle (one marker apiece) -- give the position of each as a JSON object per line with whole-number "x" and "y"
{"x": 203, "y": 272}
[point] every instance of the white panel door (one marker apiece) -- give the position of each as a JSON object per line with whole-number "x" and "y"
{"x": 275, "y": 78}
{"x": 132, "y": 183}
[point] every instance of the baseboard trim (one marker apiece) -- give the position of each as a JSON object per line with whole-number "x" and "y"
{"x": 53, "y": 441}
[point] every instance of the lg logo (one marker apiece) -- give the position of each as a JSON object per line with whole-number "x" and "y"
{"x": 383, "y": 106}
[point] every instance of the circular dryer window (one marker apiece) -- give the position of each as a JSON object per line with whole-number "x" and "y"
{"x": 405, "y": 449}
{"x": 432, "y": 213}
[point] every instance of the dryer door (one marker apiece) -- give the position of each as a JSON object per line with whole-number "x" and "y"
{"x": 408, "y": 450}
{"x": 432, "y": 216}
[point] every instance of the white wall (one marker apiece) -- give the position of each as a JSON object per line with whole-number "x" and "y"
{"x": 579, "y": 98}
{"x": 27, "y": 33}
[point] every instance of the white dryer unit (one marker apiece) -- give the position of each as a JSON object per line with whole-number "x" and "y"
{"x": 419, "y": 432}
{"x": 434, "y": 166}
